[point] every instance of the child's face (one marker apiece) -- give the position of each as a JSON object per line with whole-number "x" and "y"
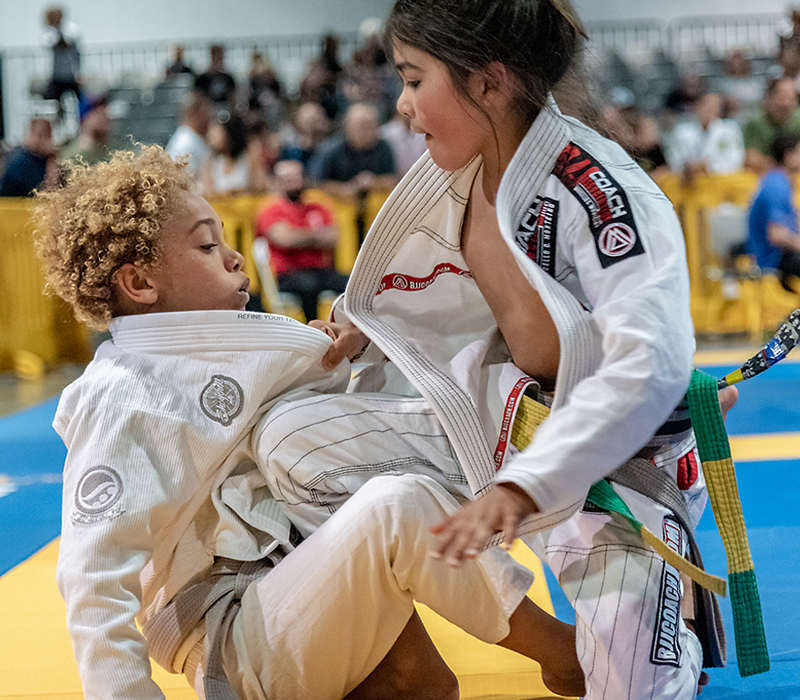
{"x": 455, "y": 130}
{"x": 197, "y": 270}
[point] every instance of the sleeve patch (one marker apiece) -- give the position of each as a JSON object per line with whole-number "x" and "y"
{"x": 98, "y": 496}
{"x": 610, "y": 218}
{"x": 537, "y": 233}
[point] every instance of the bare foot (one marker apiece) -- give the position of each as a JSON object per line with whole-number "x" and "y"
{"x": 562, "y": 673}
{"x": 702, "y": 682}
{"x": 570, "y": 687}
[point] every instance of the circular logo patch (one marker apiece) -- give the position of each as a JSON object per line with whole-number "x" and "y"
{"x": 616, "y": 240}
{"x": 98, "y": 494}
{"x": 400, "y": 282}
{"x": 222, "y": 399}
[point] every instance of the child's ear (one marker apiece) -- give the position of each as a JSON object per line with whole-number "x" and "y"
{"x": 498, "y": 85}
{"x": 135, "y": 285}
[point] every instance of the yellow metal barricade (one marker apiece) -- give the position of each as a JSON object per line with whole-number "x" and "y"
{"x": 36, "y": 330}
{"x": 760, "y": 303}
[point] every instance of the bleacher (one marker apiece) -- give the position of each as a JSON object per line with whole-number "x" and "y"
{"x": 645, "y": 57}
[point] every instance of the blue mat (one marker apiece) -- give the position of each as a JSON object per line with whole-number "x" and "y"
{"x": 768, "y": 493}
{"x": 31, "y": 457}
{"x": 768, "y": 403}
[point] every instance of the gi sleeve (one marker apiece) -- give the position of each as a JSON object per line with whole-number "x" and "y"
{"x": 635, "y": 277}
{"x": 117, "y": 493}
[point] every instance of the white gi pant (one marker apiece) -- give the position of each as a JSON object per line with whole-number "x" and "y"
{"x": 632, "y": 641}
{"x": 322, "y": 620}
{"x": 315, "y": 453}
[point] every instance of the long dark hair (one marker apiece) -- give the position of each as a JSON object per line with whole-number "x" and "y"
{"x": 236, "y": 133}
{"x": 537, "y": 40}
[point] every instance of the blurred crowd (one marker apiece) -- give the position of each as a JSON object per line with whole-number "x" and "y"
{"x": 719, "y": 124}
{"x": 341, "y": 125}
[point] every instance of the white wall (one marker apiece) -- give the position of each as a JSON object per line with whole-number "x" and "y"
{"x": 103, "y": 21}
{"x": 666, "y": 10}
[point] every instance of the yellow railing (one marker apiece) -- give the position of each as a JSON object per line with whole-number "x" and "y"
{"x": 37, "y": 330}
{"x": 761, "y": 303}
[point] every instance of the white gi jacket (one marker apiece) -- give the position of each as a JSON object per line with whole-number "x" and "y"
{"x": 601, "y": 244}
{"x": 160, "y": 476}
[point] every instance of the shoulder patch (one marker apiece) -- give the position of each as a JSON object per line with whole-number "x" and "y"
{"x": 610, "y": 218}
{"x": 222, "y": 399}
{"x": 537, "y": 232}
{"x": 98, "y": 496}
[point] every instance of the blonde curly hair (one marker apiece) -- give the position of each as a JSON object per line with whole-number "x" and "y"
{"x": 106, "y": 215}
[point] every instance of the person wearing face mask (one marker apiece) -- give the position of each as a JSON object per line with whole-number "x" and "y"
{"x": 302, "y": 236}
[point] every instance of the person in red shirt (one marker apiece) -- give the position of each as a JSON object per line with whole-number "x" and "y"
{"x": 301, "y": 236}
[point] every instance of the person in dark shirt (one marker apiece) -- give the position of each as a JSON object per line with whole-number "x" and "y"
{"x": 32, "y": 165}
{"x": 178, "y": 65}
{"x": 358, "y": 160}
{"x": 356, "y": 163}
{"x": 62, "y": 39}
{"x": 303, "y": 137}
{"x": 322, "y": 82}
{"x": 216, "y": 83}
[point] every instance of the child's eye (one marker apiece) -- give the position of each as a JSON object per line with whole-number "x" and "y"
{"x": 412, "y": 84}
{"x": 208, "y": 247}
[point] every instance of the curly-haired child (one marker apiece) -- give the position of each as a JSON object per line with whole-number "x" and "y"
{"x": 167, "y": 520}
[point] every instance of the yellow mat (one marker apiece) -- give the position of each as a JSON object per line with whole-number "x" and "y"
{"x": 36, "y": 661}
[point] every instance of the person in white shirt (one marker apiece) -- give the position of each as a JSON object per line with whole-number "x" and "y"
{"x": 189, "y": 138}
{"x": 706, "y": 142}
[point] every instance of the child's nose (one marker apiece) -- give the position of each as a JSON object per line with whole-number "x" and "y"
{"x": 235, "y": 260}
{"x": 404, "y": 104}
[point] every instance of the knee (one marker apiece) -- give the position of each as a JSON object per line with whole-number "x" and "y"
{"x": 395, "y": 509}
{"x": 403, "y": 498}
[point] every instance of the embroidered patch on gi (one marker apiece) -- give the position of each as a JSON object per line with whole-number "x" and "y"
{"x": 97, "y": 497}
{"x": 617, "y": 240}
{"x": 537, "y": 233}
{"x": 407, "y": 283}
{"x": 610, "y": 218}
{"x": 687, "y": 471}
{"x": 673, "y": 534}
{"x": 666, "y": 649}
{"x": 222, "y": 399}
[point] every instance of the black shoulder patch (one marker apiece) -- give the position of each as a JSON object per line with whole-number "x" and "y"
{"x": 610, "y": 218}
{"x": 537, "y": 232}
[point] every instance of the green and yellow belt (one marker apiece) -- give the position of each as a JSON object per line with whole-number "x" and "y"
{"x": 715, "y": 455}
